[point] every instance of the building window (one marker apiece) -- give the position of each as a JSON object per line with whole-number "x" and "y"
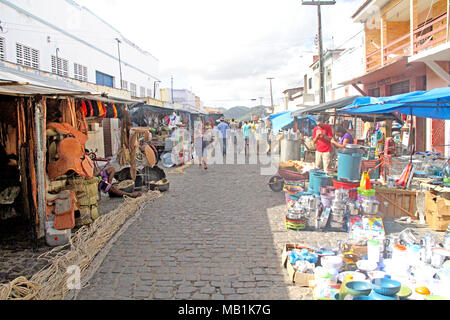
{"x": 80, "y": 72}
{"x": 2, "y": 49}
{"x": 310, "y": 83}
{"x": 133, "y": 89}
{"x": 375, "y": 92}
{"x": 27, "y": 56}
{"x": 104, "y": 79}
{"x": 60, "y": 67}
{"x": 142, "y": 89}
{"x": 149, "y": 93}
{"x": 124, "y": 85}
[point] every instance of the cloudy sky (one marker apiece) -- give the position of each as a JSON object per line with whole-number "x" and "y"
{"x": 224, "y": 51}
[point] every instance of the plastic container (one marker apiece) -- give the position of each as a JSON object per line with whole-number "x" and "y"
{"x": 366, "y": 193}
{"x": 317, "y": 179}
{"x": 351, "y": 186}
{"x": 413, "y": 254}
{"x": 399, "y": 254}
{"x": 373, "y": 250}
{"x": 56, "y": 238}
{"x": 349, "y": 166}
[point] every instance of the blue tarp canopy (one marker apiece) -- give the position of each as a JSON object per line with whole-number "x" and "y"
{"x": 284, "y": 119}
{"x": 434, "y": 104}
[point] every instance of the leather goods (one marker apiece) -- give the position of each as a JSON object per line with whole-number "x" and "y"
{"x": 63, "y": 206}
{"x": 90, "y": 111}
{"x": 150, "y": 156}
{"x": 67, "y": 129}
{"x": 71, "y": 157}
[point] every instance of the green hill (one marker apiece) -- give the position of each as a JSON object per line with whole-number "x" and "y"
{"x": 241, "y": 113}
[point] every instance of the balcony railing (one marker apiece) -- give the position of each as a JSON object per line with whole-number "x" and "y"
{"x": 396, "y": 49}
{"x": 431, "y": 34}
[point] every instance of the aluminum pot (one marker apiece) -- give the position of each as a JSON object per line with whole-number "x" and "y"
{"x": 341, "y": 194}
{"x": 370, "y": 206}
{"x": 352, "y": 208}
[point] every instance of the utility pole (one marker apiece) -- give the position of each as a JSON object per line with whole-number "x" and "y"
{"x": 319, "y": 3}
{"x": 271, "y": 93}
{"x": 57, "y": 69}
{"x": 120, "y": 63}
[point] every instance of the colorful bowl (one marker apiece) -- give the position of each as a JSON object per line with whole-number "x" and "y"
{"x": 386, "y": 286}
{"x": 376, "y": 296}
{"x": 363, "y": 298}
{"x": 358, "y": 288}
{"x": 357, "y": 276}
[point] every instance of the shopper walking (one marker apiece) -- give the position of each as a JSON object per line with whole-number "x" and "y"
{"x": 246, "y": 130}
{"x": 223, "y": 128}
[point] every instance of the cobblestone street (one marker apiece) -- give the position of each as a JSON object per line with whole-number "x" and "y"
{"x": 217, "y": 234}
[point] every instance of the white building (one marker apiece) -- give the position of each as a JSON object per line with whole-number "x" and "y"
{"x": 61, "y": 37}
{"x": 348, "y": 65}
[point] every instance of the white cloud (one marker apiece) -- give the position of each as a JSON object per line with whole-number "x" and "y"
{"x": 225, "y": 50}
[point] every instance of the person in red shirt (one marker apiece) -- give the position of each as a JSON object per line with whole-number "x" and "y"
{"x": 322, "y": 136}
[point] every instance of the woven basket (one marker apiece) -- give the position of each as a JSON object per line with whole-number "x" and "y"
{"x": 88, "y": 214}
{"x": 86, "y": 190}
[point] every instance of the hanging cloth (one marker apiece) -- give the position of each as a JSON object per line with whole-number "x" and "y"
{"x": 114, "y": 111}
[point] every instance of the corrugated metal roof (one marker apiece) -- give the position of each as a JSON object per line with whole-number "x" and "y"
{"x": 18, "y": 82}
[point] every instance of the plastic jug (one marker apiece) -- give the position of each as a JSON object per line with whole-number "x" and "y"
{"x": 373, "y": 250}
{"x": 343, "y": 290}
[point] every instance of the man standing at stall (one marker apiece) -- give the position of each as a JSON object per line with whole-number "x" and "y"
{"x": 322, "y": 136}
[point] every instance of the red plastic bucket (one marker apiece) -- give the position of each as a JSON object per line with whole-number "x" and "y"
{"x": 352, "y": 186}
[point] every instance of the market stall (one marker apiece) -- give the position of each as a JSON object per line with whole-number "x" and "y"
{"x": 370, "y": 185}
{"x": 157, "y": 119}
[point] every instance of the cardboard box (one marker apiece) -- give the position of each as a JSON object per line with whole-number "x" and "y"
{"x": 437, "y": 210}
{"x": 437, "y": 205}
{"x": 437, "y": 223}
{"x": 299, "y": 278}
{"x": 359, "y": 250}
{"x": 287, "y": 248}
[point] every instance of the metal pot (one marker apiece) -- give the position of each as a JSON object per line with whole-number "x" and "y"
{"x": 341, "y": 194}
{"x": 352, "y": 208}
{"x": 339, "y": 204}
{"x": 370, "y": 206}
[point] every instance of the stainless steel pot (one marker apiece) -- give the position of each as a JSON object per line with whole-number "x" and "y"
{"x": 370, "y": 206}
{"x": 341, "y": 194}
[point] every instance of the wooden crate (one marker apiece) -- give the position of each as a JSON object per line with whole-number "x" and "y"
{"x": 400, "y": 202}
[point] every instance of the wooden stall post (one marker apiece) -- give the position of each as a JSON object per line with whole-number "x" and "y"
{"x": 39, "y": 111}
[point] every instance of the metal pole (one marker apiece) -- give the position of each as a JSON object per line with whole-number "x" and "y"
{"x": 271, "y": 93}
{"x": 322, "y": 89}
{"x": 321, "y": 66}
{"x": 57, "y": 69}
{"x": 120, "y": 63}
